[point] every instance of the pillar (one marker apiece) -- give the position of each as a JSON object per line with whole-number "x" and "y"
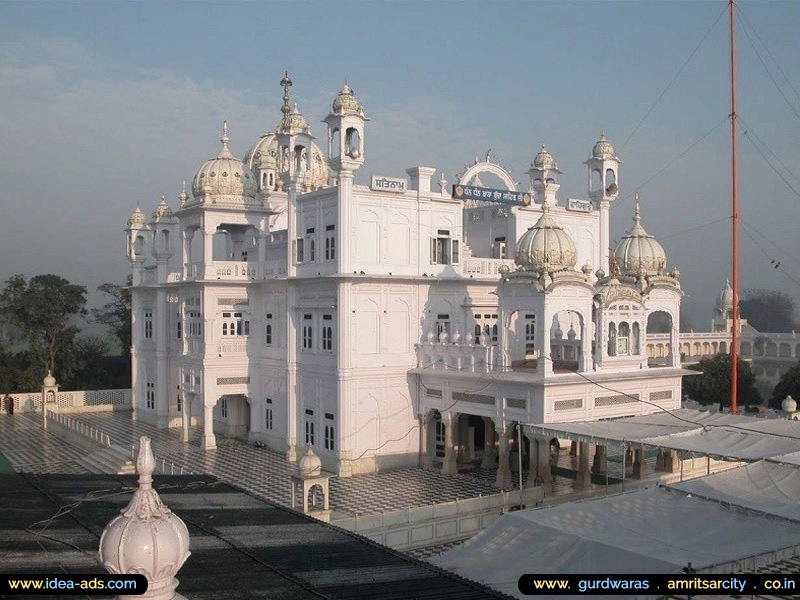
{"x": 488, "y": 461}
{"x": 463, "y": 435}
{"x": 573, "y": 449}
{"x": 639, "y": 465}
{"x": 503, "y": 479}
{"x": 583, "y": 480}
{"x": 449, "y": 466}
{"x": 209, "y": 441}
{"x": 600, "y": 463}
{"x": 425, "y": 460}
{"x": 672, "y": 463}
{"x": 543, "y": 469}
{"x": 660, "y": 460}
{"x": 186, "y": 415}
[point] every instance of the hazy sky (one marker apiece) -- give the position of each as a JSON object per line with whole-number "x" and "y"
{"x": 104, "y": 106}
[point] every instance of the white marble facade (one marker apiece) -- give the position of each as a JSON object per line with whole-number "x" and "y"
{"x": 287, "y": 305}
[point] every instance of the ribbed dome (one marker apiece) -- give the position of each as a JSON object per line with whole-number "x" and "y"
{"x": 310, "y": 464}
{"x": 224, "y": 175}
{"x": 137, "y": 219}
{"x": 544, "y": 160}
{"x": 546, "y": 246}
{"x": 49, "y": 380}
{"x": 725, "y": 299}
{"x": 639, "y": 253}
{"x": 346, "y": 103}
{"x": 603, "y": 148}
{"x": 294, "y": 122}
{"x": 147, "y": 538}
{"x": 162, "y": 211}
{"x": 264, "y": 155}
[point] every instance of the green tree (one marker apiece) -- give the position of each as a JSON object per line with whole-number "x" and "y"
{"x": 788, "y": 385}
{"x": 116, "y": 313}
{"x": 768, "y": 311}
{"x": 714, "y": 385}
{"x": 43, "y": 309}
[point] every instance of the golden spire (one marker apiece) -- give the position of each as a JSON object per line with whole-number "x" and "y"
{"x": 286, "y": 83}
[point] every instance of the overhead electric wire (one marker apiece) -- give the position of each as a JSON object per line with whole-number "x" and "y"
{"x": 773, "y": 262}
{"x": 677, "y": 233}
{"x": 671, "y": 81}
{"x": 750, "y": 131}
{"x": 769, "y": 73}
{"x": 673, "y": 161}
{"x": 767, "y": 160}
{"x": 758, "y": 37}
{"x": 771, "y": 241}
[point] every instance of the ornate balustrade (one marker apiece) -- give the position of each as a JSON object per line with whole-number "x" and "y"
{"x": 486, "y": 266}
{"x": 454, "y": 354}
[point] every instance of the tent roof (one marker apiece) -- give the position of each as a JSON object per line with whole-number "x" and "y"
{"x": 763, "y": 486}
{"x": 723, "y": 435}
{"x": 654, "y": 530}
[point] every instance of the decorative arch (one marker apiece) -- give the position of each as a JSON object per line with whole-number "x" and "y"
{"x": 488, "y": 167}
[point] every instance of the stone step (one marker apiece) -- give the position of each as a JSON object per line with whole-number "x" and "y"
{"x": 107, "y": 460}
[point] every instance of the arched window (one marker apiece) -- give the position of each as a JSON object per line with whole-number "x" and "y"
{"x": 611, "y": 181}
{"x": 596, "y": 181}
{"x": 635, "y": 342}
{"x": 353, "y": 143}
{"x": 477, "y": 332}
{"x": 335, "y": 144}
{"x": 224, "y": 329}
{"x": 624, "y": 339}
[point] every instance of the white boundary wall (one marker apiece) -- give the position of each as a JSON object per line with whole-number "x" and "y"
{"x": 73, "y": 402}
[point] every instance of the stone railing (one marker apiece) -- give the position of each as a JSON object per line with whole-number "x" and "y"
{"x": 232, "y": 347}
{"x": 82, "y": 429}
{"x": 455, "y": 354}
{"x": 232, "y": 270}
{"x": 162, "y": 465}
{"x": 486, "y": 266}
{"x": 74, "y": 402}
{"x": 417, "y": 527}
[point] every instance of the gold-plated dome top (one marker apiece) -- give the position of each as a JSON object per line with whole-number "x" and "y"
{"x": 544, "y": 160}
{"x": 224, "y": 175}
{"x": 137, "y": 219}
{"x": 346, "y": 103}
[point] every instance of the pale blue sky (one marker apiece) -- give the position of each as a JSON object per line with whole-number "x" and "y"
{"x": 104, "y": 106}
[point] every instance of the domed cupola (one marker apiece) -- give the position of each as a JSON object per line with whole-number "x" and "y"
{"x": 725, "y": 300}
{"x": 346, "y": 103}
{"x": 639, "y": 253}
{"x": 544, "y": 160}
{"x": 293, "y": 121}
{"x": 137, "y": 220}
{"x": 603, "y": 148}
{"x": 162, "y": 211}
{"x": 546, "y": 246}
{"x": 224, "y": 178}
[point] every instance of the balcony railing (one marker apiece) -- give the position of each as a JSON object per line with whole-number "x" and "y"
{"x": 232, "y": 270}
{"x": 486, "y": 266}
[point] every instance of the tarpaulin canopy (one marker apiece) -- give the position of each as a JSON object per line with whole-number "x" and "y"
{"x": 723, "y": 435}
{"x": 764, "y": 486}
{"x": 654, "y": 530}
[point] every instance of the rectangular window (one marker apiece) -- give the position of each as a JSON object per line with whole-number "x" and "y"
{"x": 530, "y": 332}
{"x": 499, "y": 247}
{"x": 223, "y": 408}
{"x": 179, "y": 330}
{"x": 310, "y": 427}
{"x": 151, "y": 395}
{"x": 179, "y": 404}
{"x": 455, "y": 254}
{"x": 442, "y": 325}
{"x": 148, "y": 324}
{"x": 330, "y": 242}
{"x": 308, "y": 332}
{"x": 329, "y": 437}
{"x": 327, "y": 333}
{"x": 268, "y": 415}
{"x": 268, "y": 337}
{"x": 299, "y": 252}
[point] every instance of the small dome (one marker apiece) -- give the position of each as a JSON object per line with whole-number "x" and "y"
{"x": 725, "y": 299}
{"x": 264, "y": 155}
{"x": 294, "y": 122}
{"x": 49, "y": 380}
{"x": 147, "y": 537}
{"x": 603, "y": 148}
{"x": 162, "y": 211}
{"x": 546, "y": 246}
{"x": 639, "y": 253}
{"x": 789, "y": 404}
{"x": 137, "y": 219}
{"x": 346, "y": 103}
{"x": 544, "y": 160}
{"x": 224, "y": 175}
{"x": 310, "y": 464}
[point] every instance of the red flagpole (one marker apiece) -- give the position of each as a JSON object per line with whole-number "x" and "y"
{"x": 735, "y": 224}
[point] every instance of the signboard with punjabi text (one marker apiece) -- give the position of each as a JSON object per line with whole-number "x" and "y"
{"x": 471, "y": 192}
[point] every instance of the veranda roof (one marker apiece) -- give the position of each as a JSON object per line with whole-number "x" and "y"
{"x": 720, "y": 435}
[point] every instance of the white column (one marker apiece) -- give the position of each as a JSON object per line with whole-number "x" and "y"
{"x": 449, "y": 465}
{"x": 600, "y": 463}
{"x": 488, "y": 444}
{"x": 186, "y": 250}
{"x": 503, "y": 479}
{"x": 344, "y": 220}
{"x": 463, "y": 434}
{"x": 186, "y": 414}
{"x": 639, "y": 464}
{"x": 425, "y": 460}
{"x": 583, "y": 480}
{"x": 543, "y": 471}
{"x": 209, "y": 441}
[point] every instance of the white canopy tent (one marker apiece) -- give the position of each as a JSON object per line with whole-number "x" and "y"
{"x": 763, "y": 486}
{"x": 720, "y": 435}
{"x": 654, "y": 530}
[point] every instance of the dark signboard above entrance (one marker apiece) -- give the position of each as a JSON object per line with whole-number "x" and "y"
{"x": 471, "y": 192}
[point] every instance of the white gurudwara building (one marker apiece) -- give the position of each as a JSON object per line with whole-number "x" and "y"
{"x": 397, "y": 323}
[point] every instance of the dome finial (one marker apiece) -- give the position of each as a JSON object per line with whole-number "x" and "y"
{"x": 286, "y": 83}
{"x": 637, "y": 217}
{"x": 224, "y": 139}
